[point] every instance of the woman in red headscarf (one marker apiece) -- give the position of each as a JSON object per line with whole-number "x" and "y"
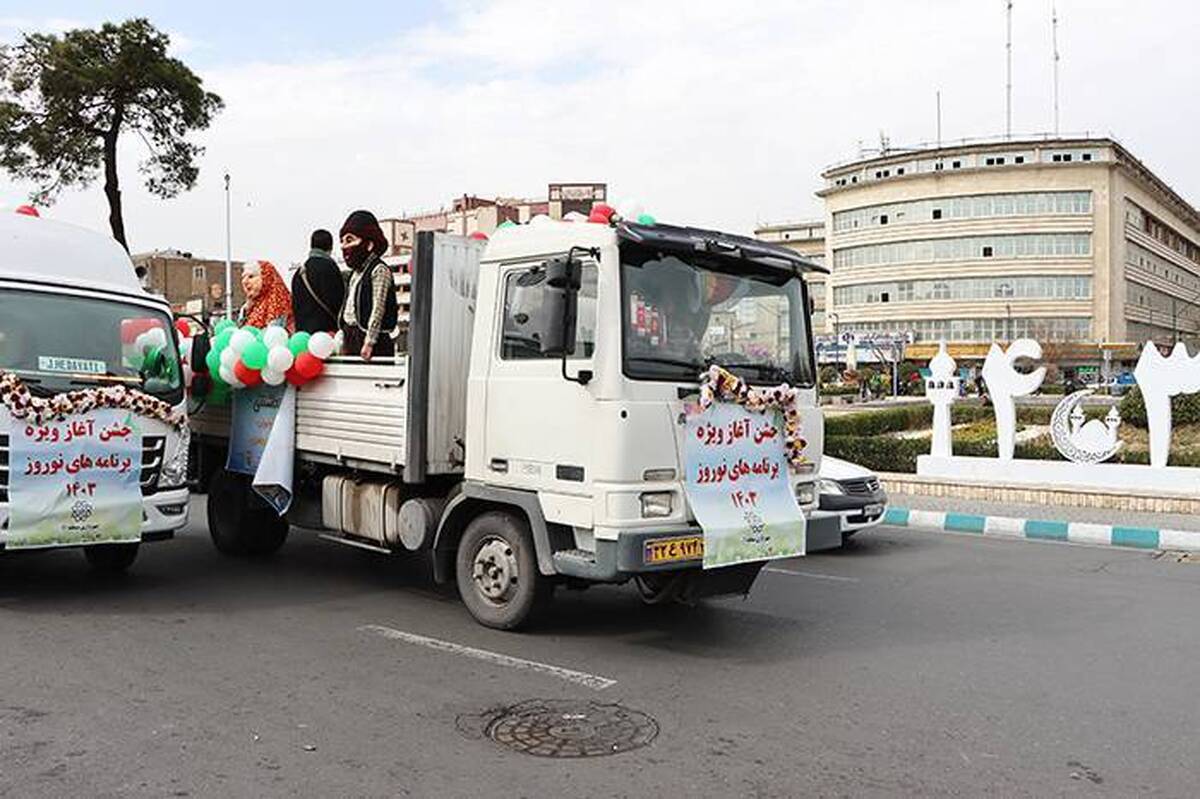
{"x": 268, "y": 301}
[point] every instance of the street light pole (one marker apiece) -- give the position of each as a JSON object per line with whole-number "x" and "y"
{"x": 228, "y": 257}
{"x": 837, "y": 342}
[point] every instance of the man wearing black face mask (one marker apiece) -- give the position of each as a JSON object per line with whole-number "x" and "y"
{"x": 371, "y": 307}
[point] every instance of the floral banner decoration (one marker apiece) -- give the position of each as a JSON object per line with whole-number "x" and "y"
{"x": 724, "y": 386}
{"x": 15, "y": 396}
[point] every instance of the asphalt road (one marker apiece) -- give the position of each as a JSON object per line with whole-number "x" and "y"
{"x": 907, "y": 664}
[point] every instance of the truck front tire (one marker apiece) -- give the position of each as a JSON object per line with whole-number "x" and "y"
{"x": 110, "y": 558}
{"x": 497, "y": 572}
{"x": 239, "y": 521}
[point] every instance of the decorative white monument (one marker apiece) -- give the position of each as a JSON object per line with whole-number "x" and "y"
{"x": 1085, "y": 444}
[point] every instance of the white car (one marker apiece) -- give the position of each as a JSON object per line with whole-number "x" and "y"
{"x": 852, "y": 492}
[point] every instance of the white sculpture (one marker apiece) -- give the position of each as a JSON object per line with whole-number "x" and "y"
{"x": 1080, "y": 442}
{"x": 941, "y": 389}
{"x": 1004, "y": 383}
{"x": 1160, "y": 379}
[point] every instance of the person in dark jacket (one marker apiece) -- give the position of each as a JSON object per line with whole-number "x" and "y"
{"x": 318, "y": 290}
{"x": 372, "y": 311}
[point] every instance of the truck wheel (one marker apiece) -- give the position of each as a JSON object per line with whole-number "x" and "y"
{"x": 239, "y": 521}
{"x": 110, "y": 558}
{"x": 497, "y": 573}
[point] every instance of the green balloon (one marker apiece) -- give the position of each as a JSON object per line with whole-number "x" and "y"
{"x": 223, "y": 325}
{"x": 646, "y": 219}
{"x": 298, "y": 343}
{"x": 506, "y": 223}
{"x": 219, "y": 395}
{"x": 222, "y": 340}
{"x": 213, "y": 360}
{"x": 254, "y": 330}
{"x": 153, "y": 362}
{"x": 254, "y": 355}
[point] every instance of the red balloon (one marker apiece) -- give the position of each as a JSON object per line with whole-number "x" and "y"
{"x": 308, "y": 365}
{"x": 605, "y": 209}
{"x": 247, "y": 376}
{"x": 294, "y": 377}
{"x": 183, "y": 327}
{"x": 27, "y": 210}
{"x": 132, "y": 328}
{"x": 597, "y": 218}
{"x": 478, "y": 235}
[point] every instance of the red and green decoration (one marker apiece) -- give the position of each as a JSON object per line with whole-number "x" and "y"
{"x": 721, "y": 385}
{"x": 245, "y": 357}
{"x": 21, "y": 404}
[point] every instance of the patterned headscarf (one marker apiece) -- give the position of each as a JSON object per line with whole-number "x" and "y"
{"x": 274, "y": 302}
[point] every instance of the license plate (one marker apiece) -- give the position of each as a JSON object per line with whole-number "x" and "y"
{"x": 873, "y": 510}
{"x": 668, "y": 550}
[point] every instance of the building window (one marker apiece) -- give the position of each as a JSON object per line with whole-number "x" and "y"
{"x": 1000, "y": 161}
{"x": 1066, "y": 156}
{"x": 884, "y": 296}
{"x": 956, "y": 165}
{"x": 900, "y": 170}
{"x": 1057, "y": 157}
{"x": 979, "y": 206}
{"x": 198, "y": 273}
{"x": 938, "y": 167}
{"x": 1020, "y": 159}
{"x": 991, "y": 162}
{"x": 937, "y": 213}
{"x": 883, "y": 219}
{"x": 1086, "y": 156}
{"x": 987, "y": 251}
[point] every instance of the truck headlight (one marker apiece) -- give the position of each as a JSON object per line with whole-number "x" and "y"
{"x": 806, "y": 493}
{"x": 175, "y": 463}
{"x": 831, "y": 487}
{"x": 657, "y": 504}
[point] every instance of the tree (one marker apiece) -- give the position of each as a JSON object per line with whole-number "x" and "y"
{"x": 65, "y": 101}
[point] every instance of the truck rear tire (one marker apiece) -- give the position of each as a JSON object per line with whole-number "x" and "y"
{"x": 497, "y": 572}
{"x": 239, "y": 521}
{"x": 110, "y": 558}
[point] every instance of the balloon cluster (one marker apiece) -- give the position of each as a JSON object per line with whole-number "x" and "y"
{"x": 144, "y": 344}
{"x": 244, "y": 357}
{"x": 627, "y": 211}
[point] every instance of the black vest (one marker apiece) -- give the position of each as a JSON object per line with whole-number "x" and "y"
{"x": 364, "y": 300}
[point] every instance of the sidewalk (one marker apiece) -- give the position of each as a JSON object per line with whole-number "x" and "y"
{"x": 1098, "y": 527}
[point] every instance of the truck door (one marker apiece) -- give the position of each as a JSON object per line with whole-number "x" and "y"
{"x": 539, "y": 435}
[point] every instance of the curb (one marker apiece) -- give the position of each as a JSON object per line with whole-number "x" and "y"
{"x": 1104, "y": 535}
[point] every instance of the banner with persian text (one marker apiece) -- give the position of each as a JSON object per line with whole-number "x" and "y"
{"x": 75, "y": 481}
{"x": 739, "y": 486}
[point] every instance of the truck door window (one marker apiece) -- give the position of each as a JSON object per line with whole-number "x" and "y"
{"x": 524, "y": 300}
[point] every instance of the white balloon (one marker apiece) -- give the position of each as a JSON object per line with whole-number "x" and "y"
{"x": 272, "y": 378}
{"x": 320, "y": 345}
{"x": 240, "y": 340}
{"x": 275, "y": 336}
{"x": 157, "y": 337}
{"x": 279, "y": 359}
{"x": 228, "y": 358}
{"x": 142, "y": 342}
{"x": 229, "y": 377}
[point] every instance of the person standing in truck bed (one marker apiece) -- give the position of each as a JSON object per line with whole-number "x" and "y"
{"x": 318, "y": 290}
{"x": 371, "y": 307}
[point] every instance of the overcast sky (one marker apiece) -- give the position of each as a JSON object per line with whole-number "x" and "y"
{"x": 711, "y": 113}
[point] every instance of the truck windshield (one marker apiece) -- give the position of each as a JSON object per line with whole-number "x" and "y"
{"x": 684, "y": 312}
{"x": 61, "y": 342}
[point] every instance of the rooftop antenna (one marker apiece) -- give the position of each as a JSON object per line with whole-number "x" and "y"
{"x": 1008, "y": 83}
{"x": 939, "y": 119}
{"x": 884, "y": 143}
{"x": 1054, "y": 39}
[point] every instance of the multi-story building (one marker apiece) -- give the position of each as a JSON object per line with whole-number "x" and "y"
{"x": 1069, "y": 240}
{"x": 807, "y": 238}
{"x": 470, "y": 214}
{"x": 191, "y": 285}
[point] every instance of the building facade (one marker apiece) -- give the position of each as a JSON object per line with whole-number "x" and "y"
{"x": 1071, "y": 241}
{"x": 469, "y": 214}
{"x": 191, "y": 285}
{"x": 806, "y": 237}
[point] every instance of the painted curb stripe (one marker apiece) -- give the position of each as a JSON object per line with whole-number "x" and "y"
{"x": 1049, "y": 531}
{"x": 965, "y": 522}
{"x": 1140, "y": 537}
{"x": 1045, "y": 530}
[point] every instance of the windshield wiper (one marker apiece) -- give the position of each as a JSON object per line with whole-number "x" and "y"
{"x": 695, "y": 366}
{"x": 79, "y": 380}
{"x": 766, "y": 370}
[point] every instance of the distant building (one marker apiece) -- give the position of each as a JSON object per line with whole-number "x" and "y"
{"x": 191, "y": 285}
{"x": 470, "y": 214}
{"x": 808, "y": 239}
{"x": 1068, "y": 240}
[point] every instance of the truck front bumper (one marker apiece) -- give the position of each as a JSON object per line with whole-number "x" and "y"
{"x": 633, "y": 552}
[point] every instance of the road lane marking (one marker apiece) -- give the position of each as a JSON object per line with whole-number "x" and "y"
{"x": 592, "y": 681}
{"x": 814, "y": 575}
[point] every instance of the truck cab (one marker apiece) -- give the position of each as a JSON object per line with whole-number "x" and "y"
{"x": 71, "y": 314}
{"x": 530, "y": 432}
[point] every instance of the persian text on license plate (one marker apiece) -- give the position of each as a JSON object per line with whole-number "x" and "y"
{"x": 667, "y": 550}
{"x": 872, "y": 510}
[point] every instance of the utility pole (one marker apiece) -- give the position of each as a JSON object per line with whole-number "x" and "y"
{"x": 228, "y": 256}
{"x": 1008, "y": 83}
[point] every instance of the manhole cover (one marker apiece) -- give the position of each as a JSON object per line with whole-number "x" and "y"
{"x": 566, "y": 728}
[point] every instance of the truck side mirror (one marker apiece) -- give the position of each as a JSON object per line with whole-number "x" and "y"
{"x": 560, "y": 306}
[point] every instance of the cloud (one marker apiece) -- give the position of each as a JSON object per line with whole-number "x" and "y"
{"x": 706, "y": 115}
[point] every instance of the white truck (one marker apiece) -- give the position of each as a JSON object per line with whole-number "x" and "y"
{"x": 530, "y": 432}
{"x": 70, "y": 308}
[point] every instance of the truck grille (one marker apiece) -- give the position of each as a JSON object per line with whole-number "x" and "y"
{"x": 860, "y": 485}
{"x": 153, "y": 449}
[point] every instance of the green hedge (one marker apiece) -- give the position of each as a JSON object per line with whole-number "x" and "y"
{"x": 1185, "y": 409}
{"x": 835, "y": 390}
{"x": 878, "y": 453}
